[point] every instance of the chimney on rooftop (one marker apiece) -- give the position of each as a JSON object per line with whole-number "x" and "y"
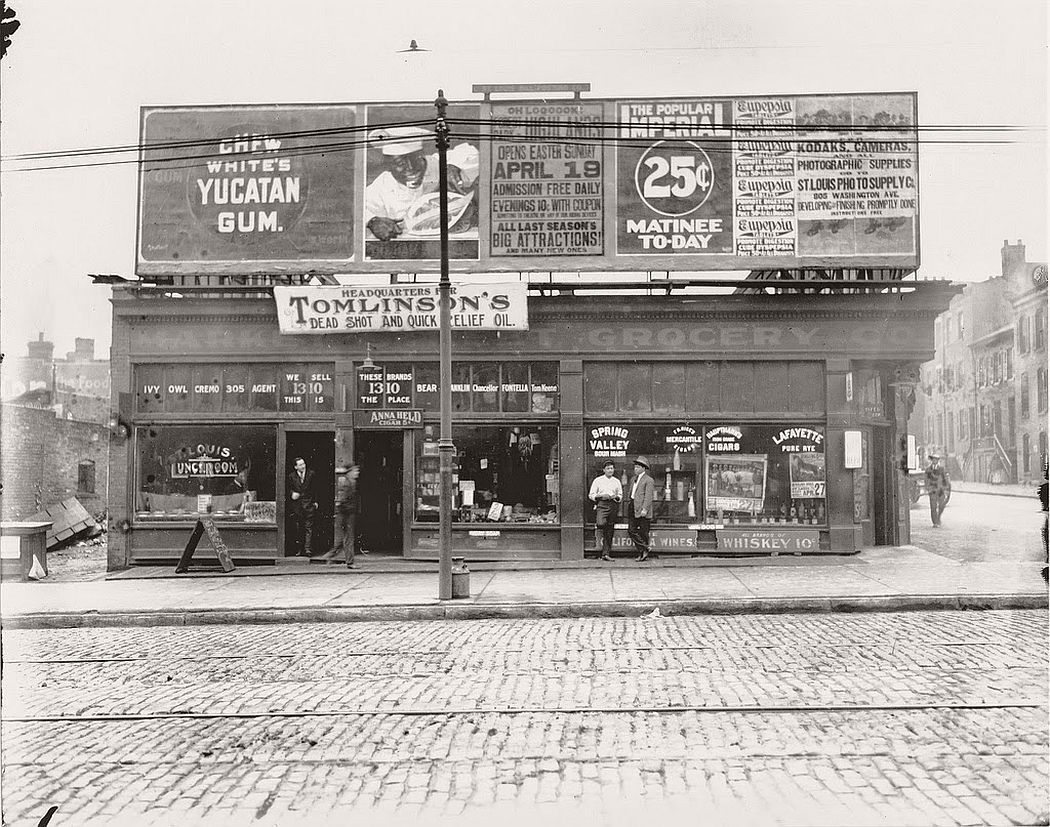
{"x": 1013, "y": 257}
{"x": 83, "y": 350}
{"x": 40, "y": 349}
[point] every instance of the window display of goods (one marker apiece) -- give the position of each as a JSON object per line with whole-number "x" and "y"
{"x": 260, "y": 512}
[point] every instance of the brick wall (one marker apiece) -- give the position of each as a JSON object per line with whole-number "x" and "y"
{"x": 40, "y": 456}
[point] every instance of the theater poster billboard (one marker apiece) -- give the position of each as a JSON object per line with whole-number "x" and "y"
{"x": 674, "y": 173}
{"x": 240, "y": 189}
{"x": 547, "y": 179}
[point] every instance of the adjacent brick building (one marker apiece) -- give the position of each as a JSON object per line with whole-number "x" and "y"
{"x": 45, "y": 459}
{"x": 55, "y": 435}
{"x": 983, "y": 398}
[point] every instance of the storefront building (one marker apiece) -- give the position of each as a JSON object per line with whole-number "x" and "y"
{"x": 745, "y": 405}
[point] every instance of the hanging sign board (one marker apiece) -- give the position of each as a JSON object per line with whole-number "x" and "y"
{"x": 854, "y": 457}
{"x": 400, "y": 308}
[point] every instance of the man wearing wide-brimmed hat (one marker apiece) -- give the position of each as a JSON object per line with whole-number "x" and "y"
{"x": 640, "y": 507}
{"x": 937, "y": 486}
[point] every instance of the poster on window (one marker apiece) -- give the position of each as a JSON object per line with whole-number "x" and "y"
{"x": 736, "y": 483}
{"x": 807, "y": 475}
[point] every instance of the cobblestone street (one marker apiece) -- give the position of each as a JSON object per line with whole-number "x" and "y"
{"x": 912, "y": 718}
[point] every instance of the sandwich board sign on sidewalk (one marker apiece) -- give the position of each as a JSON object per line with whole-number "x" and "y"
{"x": 205, "y": 525}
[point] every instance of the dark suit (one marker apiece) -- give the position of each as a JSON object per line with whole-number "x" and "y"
{"x": 640, "y": 512}
{"x": 302, "y": 510}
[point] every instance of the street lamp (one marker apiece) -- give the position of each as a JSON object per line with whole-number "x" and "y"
{"x": 445, "y": 446}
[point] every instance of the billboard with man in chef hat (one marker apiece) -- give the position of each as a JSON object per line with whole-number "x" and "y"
{"x": 401, "y": 203}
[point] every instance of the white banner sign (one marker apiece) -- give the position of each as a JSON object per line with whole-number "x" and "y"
{"x": 398, "y": 308}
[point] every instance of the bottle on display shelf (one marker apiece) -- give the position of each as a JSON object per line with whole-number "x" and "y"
{"x": 676, "y": 461}
{"x": 667, "y": 483}
{"x": 691, "y": 507}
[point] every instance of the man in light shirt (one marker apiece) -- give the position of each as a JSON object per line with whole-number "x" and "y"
{"x": 606, "y": 494}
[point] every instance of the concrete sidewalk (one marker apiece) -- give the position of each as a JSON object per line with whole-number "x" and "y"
{"x": 881, "y": 579}
{"x": 1004, "y": 490}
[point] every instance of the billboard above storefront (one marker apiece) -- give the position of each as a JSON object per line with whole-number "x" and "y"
{"x": 400, "y": 308}
{"x": 672, "y": 184}
{"x": 246, "y": 189}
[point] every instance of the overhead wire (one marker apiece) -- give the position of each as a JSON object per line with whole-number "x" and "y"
{"x": 320, "y": 149}
{"x": 900, "y": 133}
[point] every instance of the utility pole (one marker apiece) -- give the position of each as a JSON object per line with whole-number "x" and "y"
{"x": 445, "y": 446}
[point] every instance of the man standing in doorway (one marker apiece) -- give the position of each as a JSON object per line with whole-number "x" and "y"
{"x": 346, "y": 512}
{"x": 937, "y": 486}
{"x": 606, "y": 494}
{"x": 302, "y": 493}
{"x": 640, "y": 508}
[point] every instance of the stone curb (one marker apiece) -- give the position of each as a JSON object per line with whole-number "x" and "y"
{"x": 1033, "y": 494}
{"x": 481, "y": 611}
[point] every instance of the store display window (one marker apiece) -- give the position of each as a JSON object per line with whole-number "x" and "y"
{"x": 741, "y": 387}
{"x": 504, "y": 474}
{"x": 227, "y": 472}
{"x": 674, "y": 454}
{"x": 764, "y": 474}
{"x": 489, "y": 387}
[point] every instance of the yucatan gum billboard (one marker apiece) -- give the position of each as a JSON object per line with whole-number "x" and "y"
{"x": 690, "y": 184}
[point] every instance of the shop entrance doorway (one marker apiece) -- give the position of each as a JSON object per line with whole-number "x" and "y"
{"x": 883, "y": 480}
{"x": 380, "y": 455}
{"x": 318, "y": 449}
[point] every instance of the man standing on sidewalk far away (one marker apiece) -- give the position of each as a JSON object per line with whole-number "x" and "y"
{"x": 606, "y": 494}
{"x": 937, "y": 485}
{"x": 640, "y": 508}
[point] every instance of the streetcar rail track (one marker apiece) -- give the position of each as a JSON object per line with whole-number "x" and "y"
{"x": 612, "y": 648}
{"x": 414, "y": 712}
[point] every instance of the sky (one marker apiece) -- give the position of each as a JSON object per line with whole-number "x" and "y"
{"x": 77, "y": 73}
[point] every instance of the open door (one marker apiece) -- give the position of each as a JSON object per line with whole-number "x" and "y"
{"x": 380, "y": 455}
{"x": 883, "y": 482}
{"x": 318, "y": 449}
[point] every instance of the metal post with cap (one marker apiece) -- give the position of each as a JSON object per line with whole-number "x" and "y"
{"x": 445, "y": 445}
